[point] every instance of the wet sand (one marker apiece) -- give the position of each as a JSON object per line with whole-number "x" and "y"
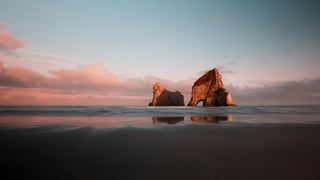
{"x": 192, "y": 151}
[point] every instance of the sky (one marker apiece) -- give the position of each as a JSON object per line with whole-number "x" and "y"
{"x": 112, "y": 52}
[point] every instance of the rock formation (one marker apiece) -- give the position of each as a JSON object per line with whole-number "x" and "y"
{"x": 164, "y": 97}
{"x": 209, "y": 89}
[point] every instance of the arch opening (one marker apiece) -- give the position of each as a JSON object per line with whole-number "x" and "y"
{"x": 200, "y": 103}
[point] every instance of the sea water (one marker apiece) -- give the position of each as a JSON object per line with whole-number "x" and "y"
{"x": 140, "y": 116}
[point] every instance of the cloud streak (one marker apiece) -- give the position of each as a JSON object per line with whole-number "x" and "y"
{"x": 50, "y": 55}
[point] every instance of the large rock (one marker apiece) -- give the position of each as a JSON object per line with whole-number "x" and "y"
{"x": 164, "y": 97}
{"x": 209, "y": 89}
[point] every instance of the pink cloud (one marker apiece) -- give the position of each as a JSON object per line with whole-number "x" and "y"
{"x": 18, "y": 76}
{"x": 87, "y": 76}
{"x": 8, "y": 42}
{"x": 89, "y": 84}
{"x": 95, "y": 74}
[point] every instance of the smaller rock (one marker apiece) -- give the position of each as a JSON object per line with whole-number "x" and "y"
{"x": 164, "y": 97}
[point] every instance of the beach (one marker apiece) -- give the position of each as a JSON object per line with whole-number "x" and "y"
{"x": 176, "y": 143}
{"x": 200, "y": 151}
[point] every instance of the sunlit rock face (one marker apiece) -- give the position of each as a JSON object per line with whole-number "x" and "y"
{"x": 164, "y": 97}
{"x": 209, "y": 89}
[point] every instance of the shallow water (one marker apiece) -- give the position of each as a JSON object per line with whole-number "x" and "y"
{"x": 152, "y": 117}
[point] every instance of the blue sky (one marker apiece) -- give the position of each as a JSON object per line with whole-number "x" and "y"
{"x": 253, "y": 43}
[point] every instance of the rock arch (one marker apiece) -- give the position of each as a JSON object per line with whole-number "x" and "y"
{"x": 209, "y": 89}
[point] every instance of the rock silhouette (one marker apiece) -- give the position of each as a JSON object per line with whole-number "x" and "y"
{"x": 164, "y": 97}
{"x": 209, "y": 89}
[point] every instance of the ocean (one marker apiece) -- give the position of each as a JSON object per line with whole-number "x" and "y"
{"x": 140, "y": 116}
{"x": 126, "y": 142}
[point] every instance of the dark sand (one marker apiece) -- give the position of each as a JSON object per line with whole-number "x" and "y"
{"x": 194, "y": 151}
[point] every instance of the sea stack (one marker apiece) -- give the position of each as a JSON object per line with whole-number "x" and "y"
{"x": 209, "y": 89}
{"x": 164, "y": 97}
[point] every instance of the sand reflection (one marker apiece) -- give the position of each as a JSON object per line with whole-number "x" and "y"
{"x": 167, "y": 120}
{"x": 210, "y": 119}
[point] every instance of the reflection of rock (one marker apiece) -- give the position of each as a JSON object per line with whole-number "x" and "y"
{"x": 167, "y": 120}
{"x": 211, "y": 119}
{"x": 209, "y": 89}
{"x": 164, "y": 97}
